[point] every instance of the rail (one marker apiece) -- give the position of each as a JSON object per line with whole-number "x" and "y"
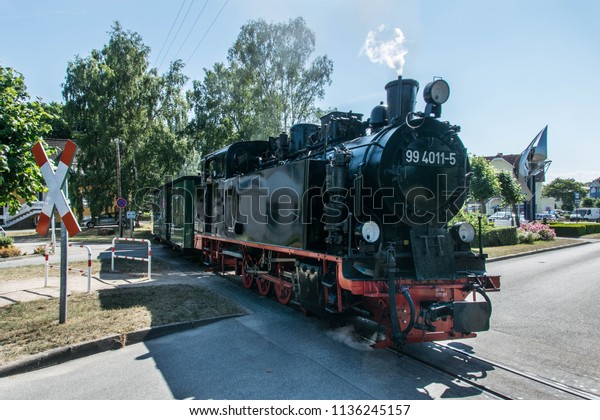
{"x": 125, "y": 257}
{"x": 89, "y": 264}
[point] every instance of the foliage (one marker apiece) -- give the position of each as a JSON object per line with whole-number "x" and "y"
{"x": 113, "y": 96}
{"x": 484, "y": 183}
{"x": 40, "y": 250}
{"x": 571, "y": 230}
{"x": 564, "y": 190}
{"x": 6, "y": 241}
{"x": 60, "y": 128}
{"x": 10, "y": 251}
{"x": 511, "y": 192}
{"x": 266, "y": 86}
{"x": 22, "y": 125}
{"x": 501, "y": 236}
{"x": 587, "y": 202}
{"x": 538, "y": 231}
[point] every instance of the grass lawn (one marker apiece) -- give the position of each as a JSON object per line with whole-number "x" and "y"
{"x": 31, "y": 327}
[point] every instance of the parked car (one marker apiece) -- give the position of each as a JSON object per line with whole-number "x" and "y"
{"x": 586, "y": 213}
{"x": 549, "y": 217}
{"x": 505, "y": 218}
{"x": 102, "y": 220}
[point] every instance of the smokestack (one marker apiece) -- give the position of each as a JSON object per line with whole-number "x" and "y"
{"x": 401, "y": 99}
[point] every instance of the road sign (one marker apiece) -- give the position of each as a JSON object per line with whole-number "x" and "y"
{"x": 131, "y": 214}
{"x": 121, "y": 203}
{"x": 55, "y": 181}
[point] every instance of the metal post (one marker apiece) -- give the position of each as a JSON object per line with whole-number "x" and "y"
{"x": 149, "y": 260}
{"x": 117, "y": 141}
{"x": 112, "y": 256}
{"x": 46, "y": 264}
{"x": 64, "y": 243}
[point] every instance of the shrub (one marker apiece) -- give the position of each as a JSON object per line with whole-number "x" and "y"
{"x": 501, "y": 236}
{"x": 10, "y": 251}
{"x": 526, "y": 237}
{"x": 40, "y": 250}
{"x": 539, "y": 231}
{"x": 6, "y": 241}
{"x": 571, "y": 230}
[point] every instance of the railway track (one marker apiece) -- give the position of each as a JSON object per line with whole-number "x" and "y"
{"x": 492, "y": 378}
{"x": 495, "y": 379}
{"x": 501, "y": 381}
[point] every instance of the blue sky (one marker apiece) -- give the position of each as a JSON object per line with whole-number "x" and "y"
{"x": 513, "y": 66}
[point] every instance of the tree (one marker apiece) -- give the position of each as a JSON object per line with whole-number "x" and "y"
{"x": 587, "y": 202}
{"x": 22, "y": 124}
{"x": 511, "y": 192}
{"x": 267, "y": 85}
{"x": 564, "y": 190}
{"x": 60, "y": 128}
{"x": 484, "y": 184}
{"x": 113, "y": 96}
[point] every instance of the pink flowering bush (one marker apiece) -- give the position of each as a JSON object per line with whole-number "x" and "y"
{"x": 530, "y": 232}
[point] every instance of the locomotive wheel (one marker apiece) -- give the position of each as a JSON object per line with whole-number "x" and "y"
{"x": 247, "y": 277}
{"x": 283, "y": 293}
{"x": 264, "y": 286}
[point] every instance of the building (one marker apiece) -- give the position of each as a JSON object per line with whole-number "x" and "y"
{"x": 594, "y": 188}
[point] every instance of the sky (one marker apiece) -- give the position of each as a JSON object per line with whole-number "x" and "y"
{"x": 514, "y": 66}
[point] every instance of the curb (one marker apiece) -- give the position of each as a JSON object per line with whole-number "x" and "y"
{"x": 538, "y": 251}
{"x": 113, "y": 342}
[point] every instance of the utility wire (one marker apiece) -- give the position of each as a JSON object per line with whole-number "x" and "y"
{"x": 176, "y": 33}
{"x": 191, "y": 29}
{"x": 169, "y": 34}
{"x": 206, "y": 33}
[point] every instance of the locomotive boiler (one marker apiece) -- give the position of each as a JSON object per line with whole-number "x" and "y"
{"x": 351, "y": 216}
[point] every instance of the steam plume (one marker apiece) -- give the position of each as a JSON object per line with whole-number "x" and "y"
{"x": 390, "y": 52}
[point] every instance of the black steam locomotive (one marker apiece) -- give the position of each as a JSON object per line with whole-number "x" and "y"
{"x": 347, "y": 217}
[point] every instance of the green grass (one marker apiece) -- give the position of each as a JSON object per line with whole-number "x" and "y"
{"x": 28, "y": 328}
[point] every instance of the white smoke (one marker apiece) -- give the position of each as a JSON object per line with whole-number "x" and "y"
{"x": 346, "y": 335}
{"x": 382, "y": 50}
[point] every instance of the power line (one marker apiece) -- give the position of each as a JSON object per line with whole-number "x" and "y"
{"x": 191, "y": 29}
{"x": 176, "y": 33}
{"x": 206, "y": 33}
{"x": 169, "y": 34}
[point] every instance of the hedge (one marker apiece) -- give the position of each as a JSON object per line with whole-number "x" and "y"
{"x": 571, "y": 230}
{"x": 501, "y": 236}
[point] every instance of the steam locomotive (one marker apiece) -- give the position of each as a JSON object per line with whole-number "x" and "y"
{"x": 348, "y": 216}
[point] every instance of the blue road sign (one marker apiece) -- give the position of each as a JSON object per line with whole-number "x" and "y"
{"x": 121, "y": 202}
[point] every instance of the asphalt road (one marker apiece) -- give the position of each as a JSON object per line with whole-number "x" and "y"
{"x": 543, "y": 322}
{"x": 545, "y": 319}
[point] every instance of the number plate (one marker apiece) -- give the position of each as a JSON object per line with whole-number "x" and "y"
{"x": 429, "y": 158}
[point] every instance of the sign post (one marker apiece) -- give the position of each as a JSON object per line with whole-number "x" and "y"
{"x": 57, "y": 198}
{"x": 121, "y": 204}
{"x": 131, "y": 218}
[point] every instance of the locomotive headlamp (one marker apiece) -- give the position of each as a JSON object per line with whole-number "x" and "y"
{"x": 369, "y": 231}
{"x": 464, "y": 231}
{"x": 436, "y": 92}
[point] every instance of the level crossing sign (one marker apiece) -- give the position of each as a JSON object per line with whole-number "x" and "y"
{"x": 55, "y": 181}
